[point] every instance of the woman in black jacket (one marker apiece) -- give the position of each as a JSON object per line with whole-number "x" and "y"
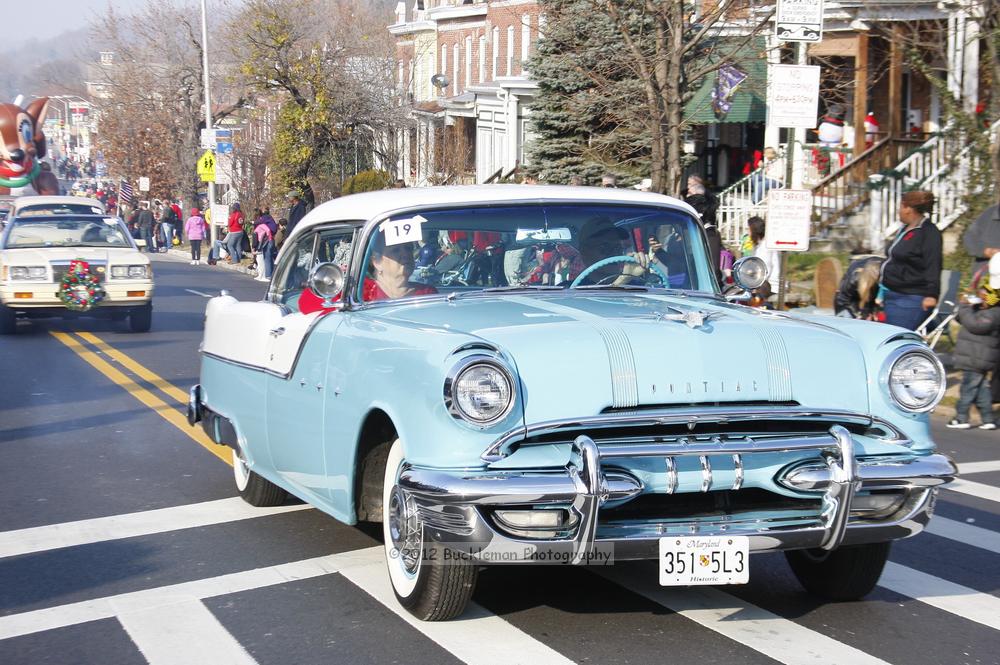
{"x": 911, "y": 274}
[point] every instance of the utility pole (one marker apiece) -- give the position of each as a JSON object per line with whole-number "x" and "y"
{"x": 793, "y": 172}
{"x": 213, "y": 228}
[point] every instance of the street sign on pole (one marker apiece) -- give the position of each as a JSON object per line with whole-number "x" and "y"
{"x": 223, "y": 141}
{"x": 799, "y": 20}
{"x": 223, "y": 168}
{"x": 789, "y": 213}
{"x": 206, "y": 166}
{"x": 143, "y": 184}
{"x": 793, "y": 95}
{"x": 208, "y": 138}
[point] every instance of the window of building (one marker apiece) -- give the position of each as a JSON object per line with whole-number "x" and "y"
{"x": 525, "y": 37}
{"x": 444, "y": 66}
{"x": 496, "y": 51}
{"x": 510, "y": 50}
{"x": 456, "y": 54}
{"x": 482, "y": 58}
{"x": 468, "y": 61}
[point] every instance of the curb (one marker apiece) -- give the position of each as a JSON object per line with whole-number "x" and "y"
{"x": 186, "y": 255}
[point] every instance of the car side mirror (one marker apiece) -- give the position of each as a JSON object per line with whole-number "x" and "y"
{"x": 327, "y": 281}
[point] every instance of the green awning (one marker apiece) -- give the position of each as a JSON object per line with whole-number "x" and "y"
{"x": 749, "y": 102}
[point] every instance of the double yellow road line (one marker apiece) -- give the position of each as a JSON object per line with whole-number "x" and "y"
{"x": 104, "y": 358}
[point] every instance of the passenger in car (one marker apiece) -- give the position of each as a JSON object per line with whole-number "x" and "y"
{"x": 392, "y": 266}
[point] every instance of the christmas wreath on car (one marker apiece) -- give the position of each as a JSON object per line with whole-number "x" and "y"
{"x": 80, "y": 289}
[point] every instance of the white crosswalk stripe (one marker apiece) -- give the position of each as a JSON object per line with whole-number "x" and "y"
{"x": 478, "y": 638}
{"x": 979, "y": 467}
{"x": 942, "y": 594}
{"x": 969, "y": 534}
{"x": 776, "y": 637}
{"x": 130, "y": 525}
{"x": 183, "y": 632}
{"x": 972, "y": 488}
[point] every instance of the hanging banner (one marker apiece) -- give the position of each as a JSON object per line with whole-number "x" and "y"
{"x": 727, "y": 80}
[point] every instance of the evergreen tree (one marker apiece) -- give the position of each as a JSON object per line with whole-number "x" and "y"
{"x": 615, "y": 77}
{"x": 581, "y": 114}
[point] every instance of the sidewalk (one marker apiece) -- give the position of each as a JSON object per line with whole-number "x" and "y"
{"x": 184, "y": 251}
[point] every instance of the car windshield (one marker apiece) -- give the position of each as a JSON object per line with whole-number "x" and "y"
{"x": 68, "y": 231}
{"x": 50, "y": 209}
{"x": 541, "y": 246}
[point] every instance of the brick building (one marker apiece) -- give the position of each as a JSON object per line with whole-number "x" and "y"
{"x": 460, "y": 70}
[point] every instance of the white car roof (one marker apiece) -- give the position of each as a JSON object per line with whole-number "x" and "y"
{"x": 369, "y": 205}
{"x": 32, "y": 201}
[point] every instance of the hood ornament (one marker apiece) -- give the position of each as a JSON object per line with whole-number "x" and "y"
{"x": 692, "y": 318}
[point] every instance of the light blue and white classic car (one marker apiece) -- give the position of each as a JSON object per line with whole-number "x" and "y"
{"x": 550, "y": 374}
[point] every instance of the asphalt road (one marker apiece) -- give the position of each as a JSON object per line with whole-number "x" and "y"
{"x": 122, "y": 541}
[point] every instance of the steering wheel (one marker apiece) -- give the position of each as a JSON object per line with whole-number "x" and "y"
{"x": 654, "y": 266}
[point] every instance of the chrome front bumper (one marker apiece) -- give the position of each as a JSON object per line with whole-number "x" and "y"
{"x": 454, "y": 505}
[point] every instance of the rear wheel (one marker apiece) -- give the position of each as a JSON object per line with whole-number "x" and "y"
{"x": 8, "y": 322}
{"x": 140, "y": 319}
{"x": 430, "y": 588}
{"x": 847, "y": 573}
{"x": 252, "y": 488}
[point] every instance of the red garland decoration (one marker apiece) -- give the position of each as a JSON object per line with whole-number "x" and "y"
{"x": 80, "y": 290}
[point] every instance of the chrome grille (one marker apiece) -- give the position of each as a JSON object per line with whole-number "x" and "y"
{"x": 61, "y": 268}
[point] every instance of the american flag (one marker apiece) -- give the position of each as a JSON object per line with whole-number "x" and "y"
{"x": 124, "y": 192}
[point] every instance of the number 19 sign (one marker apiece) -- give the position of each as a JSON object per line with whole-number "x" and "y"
{"x": 789, "y": 213}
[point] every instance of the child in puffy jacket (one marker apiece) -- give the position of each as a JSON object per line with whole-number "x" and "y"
{"x": 977, "y": 351}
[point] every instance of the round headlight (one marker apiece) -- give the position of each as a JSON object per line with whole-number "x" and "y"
{"x": 481, "y": 392}
{"x": 750, "y": 272}
{"x": 916, "y": 380}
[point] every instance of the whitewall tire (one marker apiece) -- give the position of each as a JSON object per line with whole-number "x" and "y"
{"x": 430, "y": 588}
{"x": 252, "y": 488}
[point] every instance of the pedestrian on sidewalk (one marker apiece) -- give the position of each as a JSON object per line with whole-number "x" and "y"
{"x": 982, "y": 242}
{"x": 194, "y": 229}
{"x": 263, "y": 241}
{"x": 167, "y": 225}
{"x": 911, "y": 274}
{"x": 977, "y": 351}
{"x": 296, "y": 211}
{"x": 144, "y": 220}
{"x": 234, "y": 240}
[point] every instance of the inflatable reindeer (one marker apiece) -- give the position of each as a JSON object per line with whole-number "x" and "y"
{"x": 21, "y": 150}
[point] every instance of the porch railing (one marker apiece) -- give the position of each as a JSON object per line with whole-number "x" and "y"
{"x": 744, "y": 199}
{"x": 943, "y": 166}
{"x": 846, "y": 191}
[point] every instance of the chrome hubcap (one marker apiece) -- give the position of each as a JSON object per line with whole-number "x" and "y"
{"x": 405, "y": 529}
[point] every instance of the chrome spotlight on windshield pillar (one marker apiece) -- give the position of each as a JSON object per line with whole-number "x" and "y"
{"x": 327, "y": 281}
{"x": 750, "y": 272}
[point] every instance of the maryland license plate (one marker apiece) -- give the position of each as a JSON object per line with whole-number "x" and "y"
{"x": 691, "y": 560}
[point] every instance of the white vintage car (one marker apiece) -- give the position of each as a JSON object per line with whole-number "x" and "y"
{"x": 73, "y": 265}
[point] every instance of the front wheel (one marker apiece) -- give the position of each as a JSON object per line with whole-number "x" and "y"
{"x": 140, "y": 319}
{"x": 430, "y": 588}
{"x": 847, "y": 573}
{"x": 8, "y": 322}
